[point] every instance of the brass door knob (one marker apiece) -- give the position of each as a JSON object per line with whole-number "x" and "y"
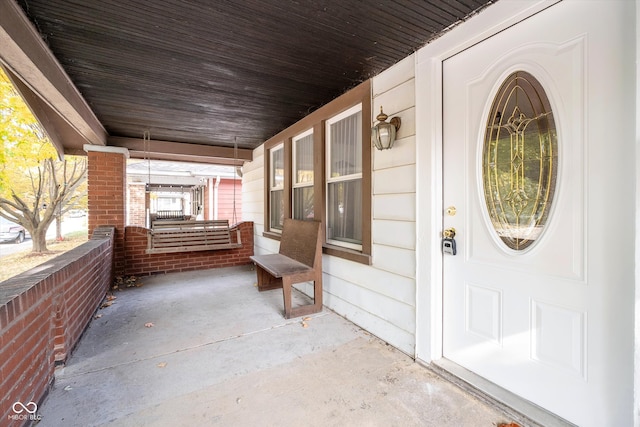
{"x": 449, "y": 233}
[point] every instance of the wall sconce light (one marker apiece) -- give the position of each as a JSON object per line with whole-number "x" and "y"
{"x": 383, "y": 135}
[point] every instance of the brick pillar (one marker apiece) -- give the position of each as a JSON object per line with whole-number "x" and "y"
{"x": 137, "y": 204}
{"x": 106, "y": 181}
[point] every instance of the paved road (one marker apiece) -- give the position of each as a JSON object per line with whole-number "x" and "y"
{"x": 12, "y": 248}
{"x": 69, "y": 225}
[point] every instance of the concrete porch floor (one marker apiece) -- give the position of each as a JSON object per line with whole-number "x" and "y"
{"x": 220, "y": 353}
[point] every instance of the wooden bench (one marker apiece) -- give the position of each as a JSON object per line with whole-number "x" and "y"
{"x": 185, "y": 236}
{"x": 298, "y": 260}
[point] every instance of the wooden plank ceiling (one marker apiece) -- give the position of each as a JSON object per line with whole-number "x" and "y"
{"x": 217, "y": 72}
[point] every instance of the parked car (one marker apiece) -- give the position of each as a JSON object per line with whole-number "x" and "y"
{"x": 11, "y": 232}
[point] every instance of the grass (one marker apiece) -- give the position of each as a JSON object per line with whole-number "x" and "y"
{"x": 14, "y": 264}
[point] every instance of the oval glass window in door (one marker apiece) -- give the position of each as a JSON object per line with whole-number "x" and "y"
{"x": 520, "y": 161}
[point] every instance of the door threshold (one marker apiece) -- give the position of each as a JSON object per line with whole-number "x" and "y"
{"x": 519, "y": 410}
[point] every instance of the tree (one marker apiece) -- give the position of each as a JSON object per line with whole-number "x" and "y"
{"x": 35, "y": 187}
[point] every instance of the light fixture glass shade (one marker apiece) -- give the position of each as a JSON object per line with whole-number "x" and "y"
{"x": 383, "y": 135}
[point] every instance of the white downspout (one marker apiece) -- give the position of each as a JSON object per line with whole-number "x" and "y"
{"x": 210, "y": 199}
{"x": 215, "y": 198}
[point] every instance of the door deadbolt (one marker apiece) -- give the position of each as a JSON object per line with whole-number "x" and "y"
{"x": 449, "y": 233}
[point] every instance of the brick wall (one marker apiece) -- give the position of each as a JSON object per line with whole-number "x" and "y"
{"x": 43, "y": 313}
{"x": 106, "y": 185}
{"x": 139, "y": 263}
{"x": 136, "y": 205}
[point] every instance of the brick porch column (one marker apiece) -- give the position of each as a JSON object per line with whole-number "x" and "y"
{"x": 137, "y": 204}
{"x": 106, "y": 182}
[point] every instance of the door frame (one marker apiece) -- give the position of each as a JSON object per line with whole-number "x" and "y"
{"x": 429, "y": 190}
{"x": 429, "y": 182}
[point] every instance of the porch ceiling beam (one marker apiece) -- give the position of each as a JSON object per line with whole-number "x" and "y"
{"x": 178, "y": 151}
{"x": 27, "y": 56}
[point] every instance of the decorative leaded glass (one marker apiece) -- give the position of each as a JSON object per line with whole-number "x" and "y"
{"x": 520, "y": 160}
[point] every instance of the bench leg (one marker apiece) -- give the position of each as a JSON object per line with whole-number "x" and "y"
{"x": 286, "y": 296}
{"x": 266, "y": 281}
{"x": 317, "y": 291}
{"x": 316, "y": 307}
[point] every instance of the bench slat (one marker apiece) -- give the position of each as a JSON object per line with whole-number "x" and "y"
{"x": 175, "y": 249}
{"x": 188, "y": 239}
{"x": 184, "y": 236}
{"x": 280, "y": 265}
{"x": 166, "y": 243}
{"x": 215, "y": 223}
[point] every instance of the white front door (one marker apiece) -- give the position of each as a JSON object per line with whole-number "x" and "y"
{"x": 527, "y": 302}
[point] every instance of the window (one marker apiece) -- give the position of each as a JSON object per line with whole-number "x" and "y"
{"x": 344, "y": 179}
{"x": 520, "y": 161}
{"x": 276, "y": 188}
{"x": 320, "y": 168}
{"x": 303, "y": 205}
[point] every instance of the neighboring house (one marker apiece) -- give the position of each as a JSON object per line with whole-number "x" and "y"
{"x": 540, "y": 303}
{"x": 199, "y": 191}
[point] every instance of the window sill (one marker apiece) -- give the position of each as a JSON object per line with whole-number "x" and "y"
{"x": 272, "y": 235}
{"x": 348, "y": 254}
{"x": 337, "y": 251}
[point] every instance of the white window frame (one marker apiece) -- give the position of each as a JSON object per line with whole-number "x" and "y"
{"x": 329, "y": 180}
{"x": 294, "y": 169}
{"x": 273, "y": 187}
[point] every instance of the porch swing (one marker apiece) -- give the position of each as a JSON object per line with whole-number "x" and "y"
{"x": 169, "y": 236}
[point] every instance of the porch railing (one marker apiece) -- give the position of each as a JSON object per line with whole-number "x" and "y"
{"x": 43, "y": 313}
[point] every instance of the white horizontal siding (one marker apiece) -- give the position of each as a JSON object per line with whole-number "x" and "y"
{"x": 390, "y": 285}
{"x": 400, "y": 234}
{"x": 402, "y": 153}
{"x": 399, "y": 207}
{"x": 392, "y": 311}
{"x": 381, "y": 297}
{"x": 251, "y": 185}
{"x": 263, "y": 245}
{"x": 394, "y": 76}
{"x": 399, "y": 338}
{"x": 395, "y": 260}
{"x": 251, "y": 213}
{"x": 400, "y": 179}
{"x": 253, "y": 198}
